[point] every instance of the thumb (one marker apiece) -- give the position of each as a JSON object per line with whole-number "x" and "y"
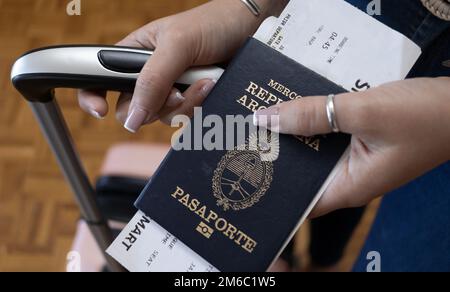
{"x": 154, "y": 85}
{"x": 308, "y": 116}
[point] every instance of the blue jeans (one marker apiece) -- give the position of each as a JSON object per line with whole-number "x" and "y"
{"x": 412, "y": 229}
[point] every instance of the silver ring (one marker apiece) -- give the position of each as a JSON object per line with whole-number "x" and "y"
{"x": 254, "y": 8}
{"x": 331, "y": 114}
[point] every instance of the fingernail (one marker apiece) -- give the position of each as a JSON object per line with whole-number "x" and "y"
{"x": 136, "y": 119}
{"x": 175, "y": 99}
{"x": 267, "y": 118}
{"x": 96, "y": 115}
{"x": 208, "y": 87}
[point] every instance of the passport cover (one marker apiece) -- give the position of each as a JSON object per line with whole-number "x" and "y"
{"x": 245, "y": 228}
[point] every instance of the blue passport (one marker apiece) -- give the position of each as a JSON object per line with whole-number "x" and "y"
{"x": 233, "y": 208}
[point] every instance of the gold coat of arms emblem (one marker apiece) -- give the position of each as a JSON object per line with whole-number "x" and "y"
{"x": 242, "y": 177}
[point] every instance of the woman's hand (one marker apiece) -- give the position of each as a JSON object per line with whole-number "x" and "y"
{"x": 400, "y": 131}
{"x": 208, "y": 34}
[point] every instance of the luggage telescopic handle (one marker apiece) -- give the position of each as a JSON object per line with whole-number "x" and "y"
{"x": 38, "y": 73}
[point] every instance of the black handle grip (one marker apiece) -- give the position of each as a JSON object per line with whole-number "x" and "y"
{"x": 124, "y": 62}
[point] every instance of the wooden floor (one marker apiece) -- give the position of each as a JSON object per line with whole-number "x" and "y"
{"x": 37, "y": 213}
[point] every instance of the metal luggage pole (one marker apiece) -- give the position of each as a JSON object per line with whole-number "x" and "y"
{"x": 54, "y": 126}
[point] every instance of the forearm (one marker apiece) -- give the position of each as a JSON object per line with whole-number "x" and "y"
{"x": 437, "y": 95}
{"x": 446, "y": 84}
{"x": 271, "y": 7}
{"x": 226, "y": 24}
{"x": 250, "y": 23}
